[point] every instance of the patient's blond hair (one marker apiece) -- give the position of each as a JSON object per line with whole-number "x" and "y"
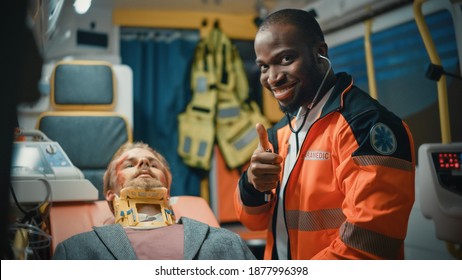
{"x": 110, "y": 178}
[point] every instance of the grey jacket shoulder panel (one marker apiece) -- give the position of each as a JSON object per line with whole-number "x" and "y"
{"x": 115, "y": 239}
{"x": 215, "y": 243}
{"x": 104, "y": 243}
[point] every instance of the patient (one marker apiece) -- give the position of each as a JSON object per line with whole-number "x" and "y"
{"x": 137, "y": 188}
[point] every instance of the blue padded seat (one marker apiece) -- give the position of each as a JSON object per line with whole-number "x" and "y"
{"x": 82, "y": 122}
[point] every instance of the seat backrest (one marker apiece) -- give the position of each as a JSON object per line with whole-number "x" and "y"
{"x": 83, "y": 97}
{"x": 68, "y": 219}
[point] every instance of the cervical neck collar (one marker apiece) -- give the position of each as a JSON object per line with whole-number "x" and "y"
{"x": 126, "y": 211}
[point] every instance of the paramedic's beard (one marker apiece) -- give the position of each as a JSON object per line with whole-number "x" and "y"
{"x": 305, "y": 92}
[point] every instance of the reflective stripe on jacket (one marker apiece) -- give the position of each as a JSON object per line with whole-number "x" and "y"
{"x": 351, "y": 191}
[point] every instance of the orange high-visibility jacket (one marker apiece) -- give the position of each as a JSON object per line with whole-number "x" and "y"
{"x": 351, "y": 191}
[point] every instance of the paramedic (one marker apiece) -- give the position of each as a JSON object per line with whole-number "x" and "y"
{"x": 152, "y": 233}
{"x": 334, "y": 179}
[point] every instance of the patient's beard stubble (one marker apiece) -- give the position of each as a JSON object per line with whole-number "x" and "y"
{"x": 144, "y": 184}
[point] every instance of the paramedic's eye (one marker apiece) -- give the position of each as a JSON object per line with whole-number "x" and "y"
{"x": 263, "y": 68}
{"x": 287, "y": 59}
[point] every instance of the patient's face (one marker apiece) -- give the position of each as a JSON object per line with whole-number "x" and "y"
{"x": 139, "y": 168}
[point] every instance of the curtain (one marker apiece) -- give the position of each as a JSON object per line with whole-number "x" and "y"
{"x": 161, "y": 60}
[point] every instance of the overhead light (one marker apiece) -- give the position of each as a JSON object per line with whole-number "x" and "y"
{"x": 82, "y": 6}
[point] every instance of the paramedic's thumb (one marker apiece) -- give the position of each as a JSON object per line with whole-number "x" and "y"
{"x": 263, "y": 136}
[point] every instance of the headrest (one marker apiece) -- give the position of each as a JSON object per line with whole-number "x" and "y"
{"x": 83, "y": 85}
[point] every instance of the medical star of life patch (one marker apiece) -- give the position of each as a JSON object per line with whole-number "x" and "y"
{"x": 382, "y": 139}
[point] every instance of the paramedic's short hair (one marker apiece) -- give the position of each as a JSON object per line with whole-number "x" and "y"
{"x": 305, "y": 22}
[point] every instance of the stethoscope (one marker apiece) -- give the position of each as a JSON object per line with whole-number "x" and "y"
{"x": 309, "y": 107}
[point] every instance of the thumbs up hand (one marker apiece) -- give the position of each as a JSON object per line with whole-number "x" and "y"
{"x": 263, "y": 136}
{"x": 265, "y": 166}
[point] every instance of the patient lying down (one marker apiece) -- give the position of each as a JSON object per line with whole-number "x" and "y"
{"x": 137, "y": 188}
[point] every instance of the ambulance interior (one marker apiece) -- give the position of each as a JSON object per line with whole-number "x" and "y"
{"x": 116, "y": 71}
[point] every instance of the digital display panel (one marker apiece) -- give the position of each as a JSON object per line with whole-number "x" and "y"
{"x": 448, "y": 170}
{"x": 28, "y": 160}
{"x": 447, "y": 161}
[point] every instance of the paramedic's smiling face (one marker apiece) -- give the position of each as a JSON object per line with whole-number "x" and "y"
{"x": 288, "y": 65}
{"x": 139, "y": 168}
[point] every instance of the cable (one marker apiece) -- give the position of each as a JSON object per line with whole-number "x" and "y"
{"x": 311, "y": 105}
{"x": 299, "y": 129}
{"x": 28, "y": 239}
{"x": 28, "y": 236}
{"x": 46, "y": 199}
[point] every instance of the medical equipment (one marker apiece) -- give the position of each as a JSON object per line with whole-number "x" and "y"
{"x": 41, "y": 171}
{"x": 126, "y": 208}
{"x": 439, "y": 177}
{"x": 310, "y": 106}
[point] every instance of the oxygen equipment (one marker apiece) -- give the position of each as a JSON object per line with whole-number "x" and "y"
{"x": 41, "y": 171}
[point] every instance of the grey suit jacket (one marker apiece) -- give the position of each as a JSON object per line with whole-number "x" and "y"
{"x": 110, "y": 242}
